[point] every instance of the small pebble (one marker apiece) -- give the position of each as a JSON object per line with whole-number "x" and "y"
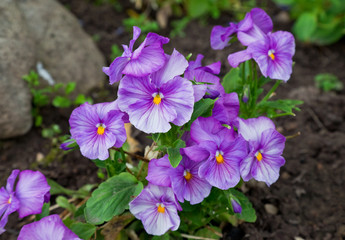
{"x": 271, "y": 209}
{"x": 39, "y": 157}
{"x": 299, "y": 238}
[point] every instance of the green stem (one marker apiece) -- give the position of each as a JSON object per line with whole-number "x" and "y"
{"x": 271, "y": 91}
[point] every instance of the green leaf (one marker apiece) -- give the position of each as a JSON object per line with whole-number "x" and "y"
{"x": 203, "y": 108}
{"x": 248, "y": 212}
{"x": 163, "y": 237}
{"x": 285, "y": 105}
{"x": 81, "y": 99}
{"x": 232, "y": 81}
{"x": 208, "y": 233}
{"x": 44, "y": 213}
{"x": 328, "y": 82}
{"x": 83, "y": 230}
{"x": 305, "y": 26}
{"x": 197, "y": 8}
{"x": 111, "y": 198}
{"x": 175, "y": 156}
{"x": 61, "y": 102}
{"x": 70, "y": 87}
{"x": 38, "y": 121}
{"x": 63, "y": 202}
{"x": 56, "y": 189}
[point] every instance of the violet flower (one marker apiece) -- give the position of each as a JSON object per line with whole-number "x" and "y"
{"x": 97, "y": 128}
{"x": 236, "y": 207}
{"x": 48, "y": 228}
{"x": 156, "y": 207}
{"x": 253, "y": 27}
{"x": 184, "y": 179}
{"x": 206, "y": 74}
{"x": 226, "y": 108}
{"x": 27, "y": 197}
{"x": 220, "y": 150}
{"x": 146, "y": 59}
{"x": 152, "y": 102}
{"x": 273, "y": 54}
{"x": 266, "y": 146}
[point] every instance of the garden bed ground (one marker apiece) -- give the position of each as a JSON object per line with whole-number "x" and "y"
{"x": 309, "y": 197}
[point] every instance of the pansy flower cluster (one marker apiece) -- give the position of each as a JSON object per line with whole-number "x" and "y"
{"x": 208, "y": 138}
{"x": 272, "y": 51}
{"x": 25, "y": 192}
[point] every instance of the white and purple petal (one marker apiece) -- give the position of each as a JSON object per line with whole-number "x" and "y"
{"x": 159, "y": 172}
{"x": 176, "y": 65}
{"x": 178, "y": 95}
{"x": 252, "y": 128}
{"x": 48, "y": 228}
{"x": 156, "y": 207}
{"x": 186, "y": 183}
{"x": 220, "y": 36}
{"x": 226, "y": 108}
{"x": 31, "y": 190}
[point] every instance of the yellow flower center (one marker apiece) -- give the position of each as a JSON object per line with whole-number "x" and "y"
{"x": 100, "y": 129}
{"x": 157, "y": 99}
{"x": 187, "y": 175}
{"x": 9, "y": 200}
{"x": 219, "y": 157}
{"x": 258, "y": 156}
{"x": 160, "y": 208}
{"x": 271, "y": 54}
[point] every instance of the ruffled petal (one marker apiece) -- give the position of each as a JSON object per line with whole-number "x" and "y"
{"x": 220, "y": 36}
{"x": 205, "y": 129}
{"x": 175, "y": 66}
{"x": 31, "y": 188}
{"x": 267, "y": 170}
{"x": 252, "y": 128}
{"x": 115, "y": 70}
{"x": 226, "y": 108}
{"x": 224, "y": 175}
{"x": 115, "y": 126}
{"x": 272, "y": 142}
{"x": 178, "y": 95}
{"x": 150, "y": 59}
{"x": 48, "y": 228}
{"x": 239, "y": 57}
{"x": 11, "y": 180}
{"x": 197, "y": 153}
{"x": 159, "y": 172}
{"x": 132, "y": 90}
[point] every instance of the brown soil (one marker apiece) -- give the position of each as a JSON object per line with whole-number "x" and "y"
{"x": 309, "y": 196}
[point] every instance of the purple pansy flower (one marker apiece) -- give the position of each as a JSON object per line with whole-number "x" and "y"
{"x": 273, "y": 54}
{"x": 197, "y": 72}
{"x": 48, "y": 228}
{"x": 96, "y": 128}
{"x": 253, "y": 27}
{"x": 184, "y": 179}
{"x": 266, "y": 146}
{"x": 226, "y": 108}
{"x": 156, "y": 207}
{"x": 220, "y": 150}
{"x": 236, "y": 206}
{"x": 146, "y": 59}
{"x": 152, "y": 102}
{"x": 27, "y": 197}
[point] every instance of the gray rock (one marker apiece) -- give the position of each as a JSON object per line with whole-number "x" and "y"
{"x": 44, "y": 31}
{"x": 65, "y": 50}
{"x": 16, "y": 59}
